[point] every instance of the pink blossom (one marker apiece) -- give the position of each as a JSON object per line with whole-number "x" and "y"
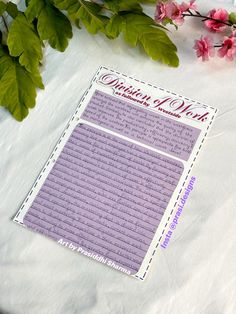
{"x": 188, "y": 6}
{"x": 176, "y": 14}
{"x": 228, "y": 48}
{"x": 163, "y": 11}
{"x": 220, "y": 15}
{"x": 204, "y": 48}
{"x": 169, "y": 10}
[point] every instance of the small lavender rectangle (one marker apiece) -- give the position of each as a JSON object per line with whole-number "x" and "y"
{"x": 165, "y": 134}
{"x": 106, "y": 196}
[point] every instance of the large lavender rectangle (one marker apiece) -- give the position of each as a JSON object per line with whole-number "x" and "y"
{"x": 106, "y": 196}
{"x": 165, "y": 134}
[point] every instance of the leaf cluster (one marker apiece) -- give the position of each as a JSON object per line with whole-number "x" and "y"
{"x": 22, "y": 39}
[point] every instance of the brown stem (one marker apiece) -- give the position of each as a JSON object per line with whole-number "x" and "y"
{"x": 205, "y": 18}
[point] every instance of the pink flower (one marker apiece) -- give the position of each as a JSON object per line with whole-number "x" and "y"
{"x": 163, "y": 11}
{"x": 176, "y": 14}
{"x": 220, "y": 15}
{"x": 169, "y": 10}
{"x": 188, "y": 6}
{"x": 204, "y": 48}
{"x": 228, "y": 48}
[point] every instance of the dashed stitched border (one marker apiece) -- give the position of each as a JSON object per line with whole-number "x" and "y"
{"x": 74, "y": 116}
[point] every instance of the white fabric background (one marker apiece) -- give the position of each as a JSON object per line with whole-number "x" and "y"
{"x": 196, "y": 273}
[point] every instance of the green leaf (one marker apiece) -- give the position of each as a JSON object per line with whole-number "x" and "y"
{"x": 33, "y": 9}
{"x": 232, "y": 17}
{"x": 64, "y": 4}
{"x": 158, "y": 46}
{"x": 112, "y": 5}
{"x": 123, "y": 5}
{"x": 3, "y": 7}
{"x": 114, "y": 27}
{"x": 23, "y": 42}
{"x": 134, "y": 25}
{"x": 140, "y": 29}
{"x": 88, "y": 13}
{"x": 17, "y": 86}
{"x": 12, "y": 9}
{"x": 85, "y": 11}
{"x": 52, "y": 25}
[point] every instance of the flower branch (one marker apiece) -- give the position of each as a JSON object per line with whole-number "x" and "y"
{"x": 206, "y": 18}
{"x": 216, "y": 21}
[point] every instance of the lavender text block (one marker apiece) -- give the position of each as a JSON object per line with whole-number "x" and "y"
{"x": 106, "y": 196}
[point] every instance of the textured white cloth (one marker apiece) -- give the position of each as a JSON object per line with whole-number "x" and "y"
{"x": 196, "y": 273}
